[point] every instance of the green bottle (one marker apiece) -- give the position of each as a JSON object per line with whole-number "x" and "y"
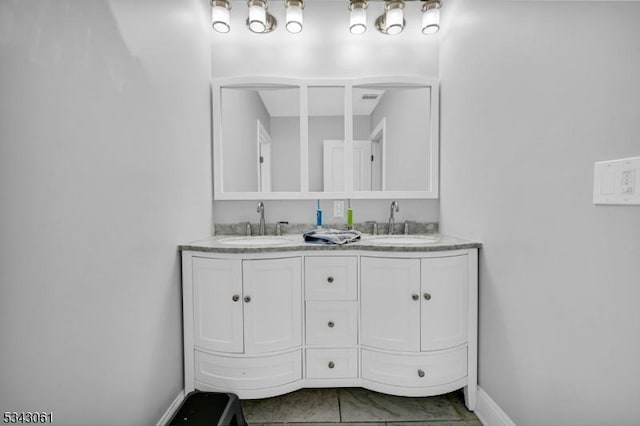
{"x": 349, "y": 215}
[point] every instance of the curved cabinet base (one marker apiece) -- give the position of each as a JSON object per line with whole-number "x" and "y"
{"x": 250, "y": 374}
{"x": 414, "y": 392}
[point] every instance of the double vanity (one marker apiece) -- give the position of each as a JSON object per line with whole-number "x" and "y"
{"x": 267, "y": 315}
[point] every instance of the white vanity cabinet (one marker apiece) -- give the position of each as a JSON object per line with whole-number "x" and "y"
{"x": 415, "y": 323}
{"x": 262, "y": 324}
{"x": 247, "y": 322}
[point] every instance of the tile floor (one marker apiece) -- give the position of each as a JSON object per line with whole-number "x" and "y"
{"x": 357, "y": 407}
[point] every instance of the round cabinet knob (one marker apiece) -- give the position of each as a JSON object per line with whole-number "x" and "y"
{"x": 330, "y": 279}
{"x": 331, "y": 364}
{"x": 420, "y": 373}
{"x": 247, "y": 299}
{"x": 235, "y": 298}
{"x": 427, "y": 296}
{"x": 330, "y": 324}
{"x": 415, "y": 296}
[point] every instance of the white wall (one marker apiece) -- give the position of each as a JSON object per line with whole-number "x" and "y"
{"x": 533, "y": 93}
{"x": 104, "y": 170}
{"x": 407, "y": 114}
{"x": 285, "y": 152}
{"x": 324, "y": 49}
{"x": 242, "y": 109}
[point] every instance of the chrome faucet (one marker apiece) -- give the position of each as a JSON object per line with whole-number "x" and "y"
{"x": 260, "y": 210}
{"x": 395, "y": 208}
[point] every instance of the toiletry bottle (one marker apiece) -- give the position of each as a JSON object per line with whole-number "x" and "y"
{"x": 349, "y": 215}
{"x": 319, "y": 216}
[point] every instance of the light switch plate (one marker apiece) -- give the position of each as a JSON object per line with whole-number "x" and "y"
{"x": 617, "y": 182}
{"x": 338, "y": 208}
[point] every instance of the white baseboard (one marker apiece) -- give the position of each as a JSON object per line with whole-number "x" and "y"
{"x": 168, "y": 415}
{"x": 489, "y": 413}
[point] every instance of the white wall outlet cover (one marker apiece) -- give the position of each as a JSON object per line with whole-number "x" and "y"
{"x": 338, "y": 208}
{"x": 616, "y": 182}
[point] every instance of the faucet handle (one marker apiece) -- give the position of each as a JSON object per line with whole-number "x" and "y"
{"x": 374, "y": 226}
{"x": 406, "y": 227}
{"x": 248, "y": 227}
{"x": 279, "y": 227}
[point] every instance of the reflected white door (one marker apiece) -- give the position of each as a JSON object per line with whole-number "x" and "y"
{"x": 264, "y": 159}
{"x": 333, "y": 166}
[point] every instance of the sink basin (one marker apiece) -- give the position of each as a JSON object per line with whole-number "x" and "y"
{"x": 254, "y": 241}
{"x": 403, "y": 239}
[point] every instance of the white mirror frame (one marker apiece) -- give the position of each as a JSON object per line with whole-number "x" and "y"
{"x": 303, "y": 84}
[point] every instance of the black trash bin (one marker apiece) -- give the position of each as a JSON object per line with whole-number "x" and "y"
{"x": 209, "y": 409}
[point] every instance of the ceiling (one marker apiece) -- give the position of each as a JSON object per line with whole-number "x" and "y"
{"x": 325, "y": 101}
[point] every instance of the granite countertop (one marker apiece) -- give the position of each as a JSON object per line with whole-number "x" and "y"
{"x": 295, "y": 242}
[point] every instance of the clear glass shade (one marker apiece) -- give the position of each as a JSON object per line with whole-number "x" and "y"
{"x": 395, "y": 21}
{"x": 358, "y": 21}
{"x": 294, "y": 18}
{"x": 257, "y": 19}
{"x": 431, "y": 21}
{"x": 220, "y": 19}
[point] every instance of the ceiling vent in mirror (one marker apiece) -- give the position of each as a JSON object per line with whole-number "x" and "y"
{"x": 369, "y": 96}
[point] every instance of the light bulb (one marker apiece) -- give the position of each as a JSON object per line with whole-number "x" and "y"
{"x": 257, "y": 18}
{"x": 294, "y": 18}
{"x": 395, "y": 21}
{"x": 431, "y": 21}
{"x": 220, "y": 18}
{"x": 358, "y": 20}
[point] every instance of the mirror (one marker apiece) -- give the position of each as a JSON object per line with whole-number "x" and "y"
{"x": 326, "y": 139}
{"x": 260, "y": 139}
{"x": 280, "y": 138}
{"x": 391, "y": 138}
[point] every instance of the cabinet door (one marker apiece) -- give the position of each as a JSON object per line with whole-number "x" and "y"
{"x": 217, "y": 304}
{"x": 272, "y": 304}
{"x": 444, "y": 301}
{"x": 390, "y": 303}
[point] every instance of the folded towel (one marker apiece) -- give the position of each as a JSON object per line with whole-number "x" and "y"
{"x": 331, "y": 236}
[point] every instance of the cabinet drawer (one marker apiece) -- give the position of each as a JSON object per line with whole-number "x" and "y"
{"x": 248, "y": 372}
{"x": 332, "y": 323}
{"x": 420, "y": 370}
{"x": 332, "y": 363}
{"x": 331, "y": 278}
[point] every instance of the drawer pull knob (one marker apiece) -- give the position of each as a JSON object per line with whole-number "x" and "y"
{"x": 235, "y": 298}
{"x": 420, "y": 373}
{"x": 415, "y": 296}
{"x": 331, "y": 364}
{"x": 330, "y": 324}
{"x": 247, "y": 299}
{"x": 330, "y": 279}
{"x": 427, "y": 296}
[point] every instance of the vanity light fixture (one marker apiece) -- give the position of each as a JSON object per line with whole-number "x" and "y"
{"x": 260, "y": 20}
{"x": 392, "y": 20}
{"x": 293, "y": 13}
{"x": 220, "y": 15}
{"x": 358, "y": 16}
{"x": 431, "y": 17}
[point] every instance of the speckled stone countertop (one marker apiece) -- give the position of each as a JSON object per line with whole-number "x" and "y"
{"x": 295, "y": 242}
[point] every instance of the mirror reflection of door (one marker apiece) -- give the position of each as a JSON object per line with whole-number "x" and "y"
{"x": 333, "y": 165}
{"x": 377, "y": 157}
{"x": 264, "y": 159}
